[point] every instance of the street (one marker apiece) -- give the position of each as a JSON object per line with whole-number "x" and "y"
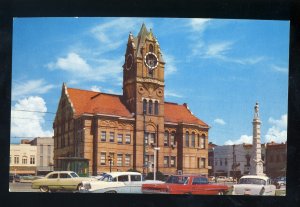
{"x": 26, "y": 187}
{"x": 21, "y": 187}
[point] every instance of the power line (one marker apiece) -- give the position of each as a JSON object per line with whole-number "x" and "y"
{"x": 46, "y": 112}
{"x": 13, "y": 117}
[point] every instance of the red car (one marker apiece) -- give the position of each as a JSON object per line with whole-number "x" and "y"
{"x": 186, "y": 184}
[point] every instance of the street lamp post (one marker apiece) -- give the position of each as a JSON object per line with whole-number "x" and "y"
{"x": 155, "y": 162}
{"x": 109, "y": 160}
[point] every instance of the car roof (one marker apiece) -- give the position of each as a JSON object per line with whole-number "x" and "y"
{"x": 62, "y": 172}
{"x": 255, "y": 176}
{"x": 115, "y": 174}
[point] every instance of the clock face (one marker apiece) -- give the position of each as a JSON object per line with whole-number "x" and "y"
{"x": 129, "y": 62}
{"x": 151, "y": 60}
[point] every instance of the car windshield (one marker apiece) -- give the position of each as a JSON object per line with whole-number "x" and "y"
{"x": 255, "y": 181}
{"x": 106, "y": 178}
{"x": 74, "y": 175}
{"x": 177, "y": 179}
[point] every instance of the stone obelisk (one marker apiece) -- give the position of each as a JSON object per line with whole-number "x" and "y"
{"x": 256, "y": 163}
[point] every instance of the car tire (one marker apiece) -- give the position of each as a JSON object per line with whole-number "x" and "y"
{"x": 79, "y": 186}
{"x": 44, "y": 189}
{"x": 221, "y": 193}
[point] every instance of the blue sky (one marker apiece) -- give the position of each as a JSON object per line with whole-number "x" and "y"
{"x": 219, "y": 67}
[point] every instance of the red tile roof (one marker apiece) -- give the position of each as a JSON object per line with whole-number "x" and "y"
{"x": 97, "y": 103}
{"x": 180, "y": 113}
{"x": 101, "y": 103}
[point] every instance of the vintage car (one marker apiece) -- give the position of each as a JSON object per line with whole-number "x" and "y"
{"x": 116, "y": 182}
{"x": 186, "y": 184}
{"x": 254, "y": 185}
{"x": 59, "y": 181}
{"x": 280, "y": 182}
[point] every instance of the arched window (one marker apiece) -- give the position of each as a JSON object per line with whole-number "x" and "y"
{"x": 202, "y": 144}
{"x": 187, "y": 141}
{"x": 144, "y": 106}
{"x": 166, "y": 139}
{"x": 156, "y": 107}
{"x": 173, "y": 142}
{"x": 150, "y": 48}
{"x": 193, "y": 140}
{"x": 150, "y": 106}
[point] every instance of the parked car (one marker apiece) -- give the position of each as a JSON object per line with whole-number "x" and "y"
{"x": 59, "y": 180}
{"x": 254, "y": 185}
{"x": 186, "y": 184}
{"x": 221, "y": 179}
{"x": 117, "y": 182}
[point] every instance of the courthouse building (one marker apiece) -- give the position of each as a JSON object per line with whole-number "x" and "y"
{"x": 95, "y": 131}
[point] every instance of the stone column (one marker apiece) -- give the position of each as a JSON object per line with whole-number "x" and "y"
{"x": 256, "y": 164}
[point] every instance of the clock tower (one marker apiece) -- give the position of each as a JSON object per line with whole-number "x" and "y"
{"x": 143, "y": 92}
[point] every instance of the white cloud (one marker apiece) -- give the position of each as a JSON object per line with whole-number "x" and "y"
{"x": 243, "y": 139}
{"x": 219, "y": 121}
{"x": 198, "y": 25}
{"x": 95, "y": 88}
{"x": 111, "y": 33}
{"x": 172, "y": 94}
{"x": 78, "y": 67}
{"x": 30, "y": 87}
{"x": 72, "y": 63}
{"x": 278, "y": 132}
{"x": 170, "y": 67}
{"x": 218, "y": 49}
{"x": 279, "y": 69}
{"x": 29, "y": 124}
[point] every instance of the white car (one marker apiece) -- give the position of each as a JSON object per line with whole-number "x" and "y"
{"x": 117, "y": 182}
{"x": 254, "y": 185}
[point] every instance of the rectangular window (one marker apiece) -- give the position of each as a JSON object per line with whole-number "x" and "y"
{"x": 127, "y": 160}
{"x": 173, "y": 161}
{"x": 32, "y": 160}
{"x": 147, "y": 160}
{"x": 120, "y": 138}
{"x": 127, "y": 138}
{"x": 146, "y": 138}
{"x": 187, "y": 140}
{"x": 166, "y": 161}
{"x": 119, "y": 160}
{"x": 202, "y": 163}
{"x": 152, "y": 138}
{"x": 173, "y": 138}
{"x": 24, "y": 160}
{"x": 112, "y": 137}
{"x": 103, "y": 136}
{"x": 166, "y": 139}
{"x": 103, "y": 158}
{"x": 16, "y": 159}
